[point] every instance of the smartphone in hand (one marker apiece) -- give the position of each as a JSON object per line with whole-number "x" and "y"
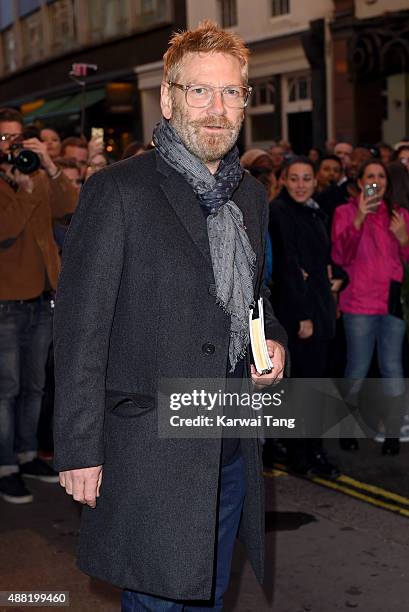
{"x": 372, "y": 197}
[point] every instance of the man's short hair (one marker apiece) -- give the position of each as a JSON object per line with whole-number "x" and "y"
{"x": 11, "y": 114}
{"x": 73, "y": 141}
{"x": 332, "y": 157}
{"x": 67, "y": 162}
{"x": 206, "y": 38}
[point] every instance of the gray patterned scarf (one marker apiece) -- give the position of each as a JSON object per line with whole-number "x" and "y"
{"x": 233, "y": 259}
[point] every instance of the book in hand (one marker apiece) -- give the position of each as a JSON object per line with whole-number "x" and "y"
{"x": 258, "y": 342}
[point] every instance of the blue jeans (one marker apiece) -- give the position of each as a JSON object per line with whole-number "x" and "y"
{"x": 232, "y": 493}
{"x": 25, "y": 338}
{"x": 363, "y": 332}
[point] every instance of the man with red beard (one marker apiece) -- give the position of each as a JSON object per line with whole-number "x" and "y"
{"x": 162, "y": 262}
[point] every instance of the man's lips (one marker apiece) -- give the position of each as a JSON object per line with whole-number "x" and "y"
{"x": 215, "y": 127}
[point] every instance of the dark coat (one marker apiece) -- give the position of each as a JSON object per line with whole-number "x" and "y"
{"x": 301, "y": 243}
{"x": 136, "y": 302}
{"x": 332, "y": 197}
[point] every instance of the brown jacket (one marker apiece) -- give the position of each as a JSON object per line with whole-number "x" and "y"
{"x": 29, "y": 260}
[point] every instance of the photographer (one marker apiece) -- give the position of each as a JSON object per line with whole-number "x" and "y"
{"x": 29, "y": 267}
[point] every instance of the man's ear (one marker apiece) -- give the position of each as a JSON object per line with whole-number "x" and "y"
{"x": 166, "y": 100}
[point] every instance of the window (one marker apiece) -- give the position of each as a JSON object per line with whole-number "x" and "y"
{"x": 32, "y": 38}
{"x": 95, "y": 19}
{"x": 62, "y": 25}
{"x": 107, "y": 18}
{"x": 147, "y": 6}
{"x": 151, "y": 12}
{"x": 228, "y": 13}
{"x": 280, "y": 7}
{"x": 9, "y": 50}
{"x": 299, "y": 88}
{"x": 261, "y": 120}
{"x": 296, "y": 110}
{"x": 263, "y": 93}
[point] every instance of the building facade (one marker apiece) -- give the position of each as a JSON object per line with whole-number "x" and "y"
{"x": 370, "y": 41}
{"x": 40, "y": 40}
{"x": 279, "y": 34}
{"x": 320, "y": 70}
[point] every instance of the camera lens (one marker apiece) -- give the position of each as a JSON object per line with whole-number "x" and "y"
{"x": 27, "y": 161}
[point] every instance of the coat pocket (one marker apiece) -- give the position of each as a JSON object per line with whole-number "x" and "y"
{"x": 128, "y": 405}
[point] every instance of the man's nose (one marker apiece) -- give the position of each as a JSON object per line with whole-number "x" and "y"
{"x": 217, "y": 104}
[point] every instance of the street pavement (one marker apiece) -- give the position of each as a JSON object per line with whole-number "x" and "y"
{"x": 327, "y": 550}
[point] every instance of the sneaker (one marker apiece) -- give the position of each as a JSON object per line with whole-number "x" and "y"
{"x": 39, "y": 469}
{"x": 322, "y": 467}
{"x": 13, "y": 490}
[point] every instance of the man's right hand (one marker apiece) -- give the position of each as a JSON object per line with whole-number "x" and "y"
{"x": 83, "y": 484}
{"x": 23, "y": 180}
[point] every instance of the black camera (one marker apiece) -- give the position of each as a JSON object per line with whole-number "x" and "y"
{"x": 24, "y": 160}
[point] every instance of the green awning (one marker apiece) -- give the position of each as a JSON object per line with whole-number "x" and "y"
{"x": 47, "y": 109}
{"x": 74, "y": 104}
{"x": 67, "y": 105}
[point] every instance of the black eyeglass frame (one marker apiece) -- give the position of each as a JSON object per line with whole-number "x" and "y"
{"x": 186, "y": 88}
{"x": 7, "y": 137}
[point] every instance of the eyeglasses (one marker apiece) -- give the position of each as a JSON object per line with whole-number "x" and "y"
{"x": 7, "y": 137}
{"x": 200, "y": 96}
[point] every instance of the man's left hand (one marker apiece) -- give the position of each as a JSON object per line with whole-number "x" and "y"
{"x": 276, "y": 352}
{"x": 35, "y": 145}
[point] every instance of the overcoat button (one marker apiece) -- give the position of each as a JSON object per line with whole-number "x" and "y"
{"x": 208, "y": 348}
{"x": 212, "y": 290}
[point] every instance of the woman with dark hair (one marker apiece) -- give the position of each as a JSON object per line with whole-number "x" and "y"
{"x": 53, "y": 141}
{"x": 302, "y": 294}
{"x": 370, "y": 238}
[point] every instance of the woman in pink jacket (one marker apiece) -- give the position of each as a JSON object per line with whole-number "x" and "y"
{"x": 370, "y": 239}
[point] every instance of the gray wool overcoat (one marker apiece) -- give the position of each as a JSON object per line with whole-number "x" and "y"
{"x": 136, "y": 302}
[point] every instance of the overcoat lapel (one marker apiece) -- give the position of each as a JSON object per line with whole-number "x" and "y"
{"x": 185, "y": 204}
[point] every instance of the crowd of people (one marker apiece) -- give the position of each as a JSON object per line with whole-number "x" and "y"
{"x": 36, "y": 206}
{"x": 339, "y": 226}
{"x": 335, "y": 262}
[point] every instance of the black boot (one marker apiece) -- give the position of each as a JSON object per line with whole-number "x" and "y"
{"x": 349, "y": 444}
{"x": 395, "y": 408}
{"x": 391, "y": 446}
{"x": 298, "y": 461}
{"x": 321, "y": 466}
